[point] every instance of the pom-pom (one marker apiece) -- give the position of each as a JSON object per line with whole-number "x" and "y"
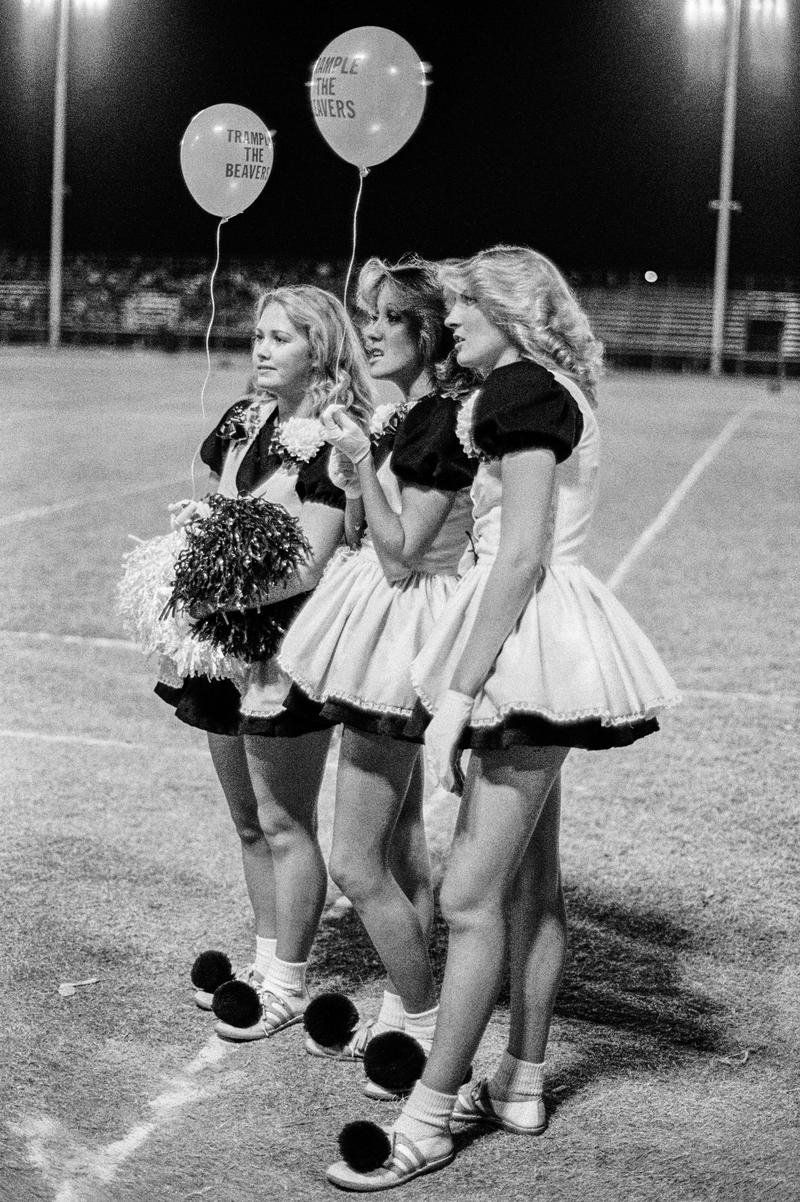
{"x": 246, "y": 635}
{"x": 365, "y": 1146}
{"x": 237, "y": 1003}
{"x": 143, "y": 604}
{"x": 231, "y": 560}
{"x": 330, "y": 1019}
{"x": 210, "y": 970}
{"x": 394, "y": 1060}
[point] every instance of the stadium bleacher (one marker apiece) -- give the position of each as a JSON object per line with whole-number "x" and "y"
{"x": 167, "y": 304}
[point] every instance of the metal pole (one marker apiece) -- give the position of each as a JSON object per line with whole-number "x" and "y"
{"x": 725, "y": 186}
{"x": 57, "y": 203}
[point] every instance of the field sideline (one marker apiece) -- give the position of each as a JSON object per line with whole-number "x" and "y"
{"x": 672, "y": 1072}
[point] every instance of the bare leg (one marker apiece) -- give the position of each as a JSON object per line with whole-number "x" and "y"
{"x": 408, "y": 853}
{"x": 503, "y": 799}
{"x": 230, "y": 763}
{"x": 372, "y": 784}
{"x": 537, "y": 936}
{"x": 286, "y": 776}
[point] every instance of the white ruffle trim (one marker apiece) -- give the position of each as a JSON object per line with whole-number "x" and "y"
{"x": 558, "y": 718}
{"x": 361, "y": 703}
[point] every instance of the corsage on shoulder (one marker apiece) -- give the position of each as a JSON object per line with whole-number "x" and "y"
{"x": 386, "y": 419}
{"x": 297, "y": 440}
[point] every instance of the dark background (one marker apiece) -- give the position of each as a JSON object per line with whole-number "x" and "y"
{"x": 590, "y": 130}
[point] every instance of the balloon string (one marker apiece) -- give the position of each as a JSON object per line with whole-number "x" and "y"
{"x": 363, "y": 172}
{"x": 208, "y": 354}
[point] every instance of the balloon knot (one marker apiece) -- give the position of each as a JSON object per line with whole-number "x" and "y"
{"x": 363, "y": 172}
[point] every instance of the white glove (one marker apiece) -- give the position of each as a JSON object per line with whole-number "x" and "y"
{"x": 342, "y": 432}
{"x": 441, "y": 739}
{"x": 342, "y": 472}
{"x": 183, "y": 512}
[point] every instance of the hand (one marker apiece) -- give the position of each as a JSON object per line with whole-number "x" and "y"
{"x": 183, "y": 512}
{"x": 342, "y": 432}
{"x": 442, "y": 736}
{"x": 342, "y": 472}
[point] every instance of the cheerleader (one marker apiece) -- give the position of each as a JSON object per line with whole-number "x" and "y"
{"x": 350, "y": 650}
{"x": 269, "y": 762}
{"x": 532, "y": 656}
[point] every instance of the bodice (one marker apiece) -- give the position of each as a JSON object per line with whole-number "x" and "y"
{"x": 574, "y": 494}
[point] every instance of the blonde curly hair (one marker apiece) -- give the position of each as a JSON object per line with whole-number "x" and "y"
{"x": 525, "y": 295}
{"x": 339, "y": 368}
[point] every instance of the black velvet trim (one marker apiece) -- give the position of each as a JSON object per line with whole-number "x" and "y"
{"x": 521, "y": 407}
{"x": 427, "y": 451}
{"x": 531, "y": 730}
{"x": 257, "y": 464}
{"x": 213, "y": 706}
{"x": 342, "y": 713}
{"x": 394, "y": 726}
{"x": 313, "y": 483}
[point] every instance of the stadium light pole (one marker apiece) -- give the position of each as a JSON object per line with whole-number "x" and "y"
{"x": 58, "y": 189}
{"x": 724, "y": 204}
{"x": 57, "y": 201}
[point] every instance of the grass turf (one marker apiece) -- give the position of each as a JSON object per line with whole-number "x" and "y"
{"x": 672, "y": 1066}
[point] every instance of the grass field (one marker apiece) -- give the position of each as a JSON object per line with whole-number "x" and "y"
{"x": 673, "y": 1067}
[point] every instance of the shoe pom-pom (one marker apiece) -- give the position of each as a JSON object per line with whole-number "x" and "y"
{"x": 237, "y": 1003}
{"x": 364, "y": 1146}
{"x": 330, "y": 1019}
{"x": 394, "y": 1060}
{"x": 210, "y": 970}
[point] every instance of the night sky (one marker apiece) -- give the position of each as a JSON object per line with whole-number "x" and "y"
{"x": 589, "y": 129}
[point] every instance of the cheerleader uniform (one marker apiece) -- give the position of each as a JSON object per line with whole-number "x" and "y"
{"x": 350, "y": 650}
{"x": 575, "y": 670}
{"x": 249, "y": 466}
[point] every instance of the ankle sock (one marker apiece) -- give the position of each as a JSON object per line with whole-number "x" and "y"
{"x": 426, "y": 1113}
{"x": 285, "y": 977}
{"x": 265, "y": 951}
{"x": 516, "y": 1079}
{"x": 421, "y": 1026}
{"x": 390, "y": 1017}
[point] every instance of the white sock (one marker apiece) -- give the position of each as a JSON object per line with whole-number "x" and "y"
{"x": 426, "y": 1113}
{"x": 516, "y": 1079}
{"x": 265, "y": 950}
{"x": 390, "y": 1017}
{"x": 284, "y": 977}
{"x": 421, "y": 1026}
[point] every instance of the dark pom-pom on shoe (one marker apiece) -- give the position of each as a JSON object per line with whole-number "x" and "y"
{"x": 394, "y": 1060}
{"x": 364, "y": 1146}
{"x": 237, "y": 1003}
{"x": 210, "y": 970}
{"x": 330, "y": 1019}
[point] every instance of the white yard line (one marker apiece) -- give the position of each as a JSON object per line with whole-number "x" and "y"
{"x": 736, "y": 695}
{"x": 68, "y": 1164}
{"x": 131, "y": 490}
{"x": 668, "y": 511}
{"x": 79, "y": 640}
{"x": 39, "y": 736}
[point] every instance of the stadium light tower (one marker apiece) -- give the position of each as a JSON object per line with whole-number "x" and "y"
{"x": 709, "y": 13}
{"x": 59, "y": 150}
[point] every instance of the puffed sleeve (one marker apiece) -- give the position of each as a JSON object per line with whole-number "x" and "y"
{"x": 522, "y": 406}
{"x": 214, "y": 448}
{"x": 427, "y": 451}
{"x": 314, "y": 484}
